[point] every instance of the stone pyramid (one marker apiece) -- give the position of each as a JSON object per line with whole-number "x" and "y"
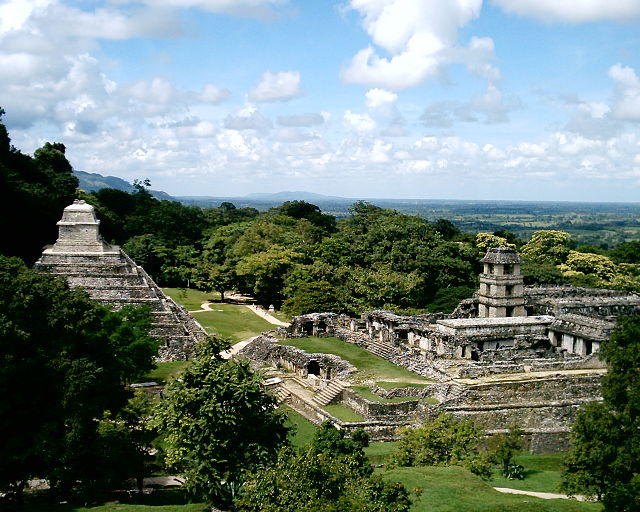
{"x": 112, "y": 278}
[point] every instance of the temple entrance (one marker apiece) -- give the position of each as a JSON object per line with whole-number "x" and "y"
{"x": 313, "y": 368}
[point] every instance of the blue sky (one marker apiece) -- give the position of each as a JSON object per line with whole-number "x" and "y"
{"x": 460, "y": 99}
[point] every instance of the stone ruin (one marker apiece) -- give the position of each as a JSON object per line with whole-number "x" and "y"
{"x": 112, "y": 278}
{"x": 511, "y": 354}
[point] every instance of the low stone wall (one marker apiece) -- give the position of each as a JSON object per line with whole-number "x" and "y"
{"x": 377, "y": 430}
{"x": 402, "y": 412}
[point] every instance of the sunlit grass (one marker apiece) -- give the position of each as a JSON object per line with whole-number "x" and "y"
{"x": 366, "y": 362}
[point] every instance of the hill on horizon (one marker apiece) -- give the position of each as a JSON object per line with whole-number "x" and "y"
{"x": 92, "y": 182}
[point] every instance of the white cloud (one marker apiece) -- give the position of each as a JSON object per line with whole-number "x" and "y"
{"x": 310, "y": 119}
{"x": 627, "y": 99}
{"x": 488, "y": 108}
{"x": 377, "y": 98}
{"x": 14, "y": 13}
{"x": 213, "y": 95}
{"x": 574, "y": 11}
{"x": 415, "y": 33}
{"x": 249, "y": 118}
{"x": 359, "y": 122}
{"x": 281, "y": 86}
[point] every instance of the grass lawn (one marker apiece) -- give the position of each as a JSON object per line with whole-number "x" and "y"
{"x": 189, "y": 298}
{"x": 342, "y": 413}
{"x": 169, "y": 500}
{"x": 542, "y": 473}
{"x": 232, "y": 321}
{"x": 281, "y": 316}
{"x": 164, "y": 371}
{"x": 303, "y": 431}
{"x": 378, "y": 451}
{"x": 395, "y": 385}
{"x": 120, "y": 507}
{"x": 367, "y": 363}
{"x": 455, "y": 489}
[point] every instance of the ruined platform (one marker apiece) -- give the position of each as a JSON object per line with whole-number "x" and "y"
{"x": 112, "y": 278}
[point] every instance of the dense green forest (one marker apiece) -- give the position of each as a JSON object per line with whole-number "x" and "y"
{"x": 68, "y": 416}
{"x": 292, "y": 256}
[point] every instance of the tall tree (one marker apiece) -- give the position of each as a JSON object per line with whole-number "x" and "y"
{"x": 64, "y": 362}
{"x": 605, "y": 459}
{"x": 219, "y": 423}
{"x": 33, "y": 193}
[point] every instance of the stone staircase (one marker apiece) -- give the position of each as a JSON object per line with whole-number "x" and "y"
{"x": 114, "y": 280}
{"x": 328, "y": 394}
{"x": 283, "y": 395}
{"x": 380, "y": 349}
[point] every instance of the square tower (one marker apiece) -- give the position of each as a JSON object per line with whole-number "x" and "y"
{"x": 501, "y": 284}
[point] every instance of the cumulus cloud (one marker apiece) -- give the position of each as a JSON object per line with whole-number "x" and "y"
{"x": 415, "y": 33}
{"x": 361, "y": 123}
{"x": 212, "y": 94}
{"x": 489, "y": 108}
{"x": 310, "y": 119}
{"x": 627, "y": 98}
{"x": 282, "y": 86}
{"x": 574, "y": 11}
{"x": 249, "y": 118}
{"x": 377, "y": 98}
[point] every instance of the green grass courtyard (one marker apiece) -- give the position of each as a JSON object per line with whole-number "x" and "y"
{"x": 370, "y": 366}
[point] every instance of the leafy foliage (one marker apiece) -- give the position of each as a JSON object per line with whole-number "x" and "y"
{"x": 503, "y": 447}
{"x": 605, "y": 459}
{"x": 64, "y": 362}
{"x": 33, "y": 193}
{"x": 444, "y": 441}
{"x": 332, "y": 474}
{"x": 219, "y": 423}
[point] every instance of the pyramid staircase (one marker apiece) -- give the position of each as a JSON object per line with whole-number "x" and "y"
{"x": 113, "y": 279}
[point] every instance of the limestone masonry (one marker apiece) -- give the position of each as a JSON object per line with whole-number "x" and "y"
{"x": 509, "y": 355}
{"x": 110, "y": 277}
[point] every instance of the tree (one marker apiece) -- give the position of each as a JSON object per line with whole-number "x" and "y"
{"x": 627, "y": 252}
{"x": 264, "y": 273}
{"x": 444, "y": 441}
{"x": 308, "y": 211}
{"x": 589, "y": 264}
{"x": 211, "y": 276}
{"x": 605, "y": 459}
{"x": 486, "y": 241}
{"x": 65, "y": 361}
{"x": 39, "y": 188}
{"x": 547, "y": 246}
{"x": 504, "y": 446}
{"x": 219, "y": 423}
{"x": 331, "y": 474}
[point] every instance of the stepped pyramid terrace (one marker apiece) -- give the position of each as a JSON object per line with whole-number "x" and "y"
{"x": 511, "y": 354}
{"x": 111, "y": 278}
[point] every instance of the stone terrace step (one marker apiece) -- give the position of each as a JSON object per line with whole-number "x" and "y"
{"x": 328, "y": 394}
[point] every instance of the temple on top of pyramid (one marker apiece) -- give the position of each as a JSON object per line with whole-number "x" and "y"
{"x": 112, "y": 278}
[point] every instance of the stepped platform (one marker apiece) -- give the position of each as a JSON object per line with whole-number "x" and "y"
{"x": 113, "y": 279}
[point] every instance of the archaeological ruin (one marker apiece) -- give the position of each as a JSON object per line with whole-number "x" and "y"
{"x": 110, "y": 277}
{"x": 510, "y": 355}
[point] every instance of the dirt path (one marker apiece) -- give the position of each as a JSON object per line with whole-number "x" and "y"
{"x": 267, "y": 316}
{"x": 543, "y": 495}
{"x": 205, "y": 306}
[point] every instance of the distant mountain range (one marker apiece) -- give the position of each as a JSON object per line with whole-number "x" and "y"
{"x": 91, "y": 182}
